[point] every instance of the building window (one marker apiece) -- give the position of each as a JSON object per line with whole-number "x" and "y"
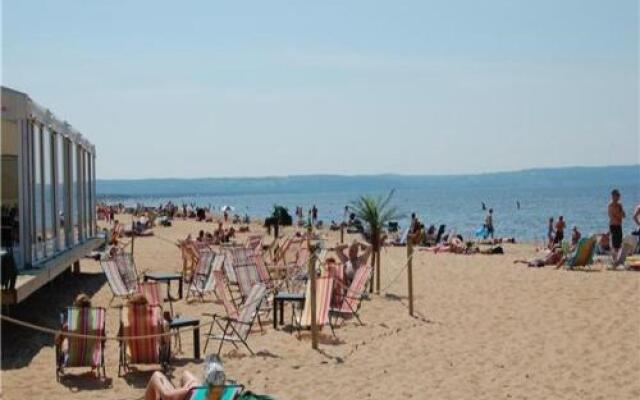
{"x": 10, "y": 149}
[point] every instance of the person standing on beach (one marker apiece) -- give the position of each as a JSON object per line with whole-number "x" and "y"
{"x": 488, "y": 223}
{"x": 550, "y": 233}
{"x": 560, "y": 225}
{"x": 636, "y": 219}
{"x": 616, "y": 215}
{"x": 314, "y": 214}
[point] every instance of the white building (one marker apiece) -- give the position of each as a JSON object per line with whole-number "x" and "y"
{"x": 48, "y": 194}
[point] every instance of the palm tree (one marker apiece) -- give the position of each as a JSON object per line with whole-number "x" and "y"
{"x": 376, "y": 213}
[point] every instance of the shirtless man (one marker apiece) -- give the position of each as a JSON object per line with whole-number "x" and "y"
{"x": 616, "y": 215}
{"x": 354, "y": 258}
{"x": 636, "y": 217}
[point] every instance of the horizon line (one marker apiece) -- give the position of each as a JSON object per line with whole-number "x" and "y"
{"x": 408, "y": 175}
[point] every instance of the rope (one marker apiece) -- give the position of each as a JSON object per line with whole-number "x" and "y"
{"x": 395, "y": 279}
{"x": 44, "y": 329}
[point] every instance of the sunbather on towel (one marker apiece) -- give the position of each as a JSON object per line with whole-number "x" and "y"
{"x": 454, "y": 245}
{"x": 550, "y": 257}
{"x": 161, "y": 388}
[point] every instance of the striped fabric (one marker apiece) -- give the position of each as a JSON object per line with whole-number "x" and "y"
{"x": 247, "y": 276}
{"x": 137, "y": 320}
{"x": 356, "y": 290}
{"x": 127, "y": 269}
{"x": 250, "y": 309}
{"x": 263, "y": 272}
{"x": 253, "y": 242}
{"x": 85, "y": 352}
{"x": 218, "y": 279}
{"x": 205, "y": 257}
{"x": 117, "y": 285}
{"x": 202, "y": 281}
{"x": 336, "y": 272}
{"x": 151, "y": 290}
{"x": 324, "y": 288}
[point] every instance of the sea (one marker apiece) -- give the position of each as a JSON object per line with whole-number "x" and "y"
{"x": 522, "y": 201}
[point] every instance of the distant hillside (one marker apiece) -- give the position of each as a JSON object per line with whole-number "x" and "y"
{"x": 574, "y": 176}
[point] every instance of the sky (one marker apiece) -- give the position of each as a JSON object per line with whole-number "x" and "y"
{"x": 258, "y": 88}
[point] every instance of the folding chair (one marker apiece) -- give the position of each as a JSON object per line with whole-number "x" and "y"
{"x": 77, "y": 351}
{"x": 238, "y": 329}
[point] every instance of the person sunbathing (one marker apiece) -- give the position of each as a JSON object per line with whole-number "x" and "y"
{"x": 81, "y": 301}
{"x": 161, "y": 388}
{"x": 354, "y": 258}
{"x": 454, "y": 245}
{"x": 550, "y": 257}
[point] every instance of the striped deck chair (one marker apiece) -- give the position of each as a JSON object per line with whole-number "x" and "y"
{"x": 82, "y": 352}
{"x": 128, "y": 269}
{"x": 334, "y": 270}
{"x": 153, "y": 293}
{"x": 582, "y": 256}
{"x": 324, "y": 288}
{"x": 254, "y": 242}
{"x": 219, "y": 287}
{"x": 116, "y": 282}
{"x": 352, "y": 297}
{"x": 227, "y": 392}
{"x": 237, "y": 329}
{"x": 139, "y": 320}
{"x": 202, "y": 280}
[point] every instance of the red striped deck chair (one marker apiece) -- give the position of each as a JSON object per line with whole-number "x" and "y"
{"x": 118, "y": 286}
{"x": 82, "y": 352}
{"x": 334, "y": 270}
{"x": 229, "y": 306}
{"x": 254, "y": 242}
{"x": 128, "y": 270}
{"x": 140, "y": 320}
{"x": 324, "y": 288}
{"x": 238, "y": 329}
{"x": 202, "y": 280}
{"x": 152, "y": 291}
{"x": 352, "y": 298}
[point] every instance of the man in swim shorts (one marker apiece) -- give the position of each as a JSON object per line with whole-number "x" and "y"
{"x": 616, "y": 215}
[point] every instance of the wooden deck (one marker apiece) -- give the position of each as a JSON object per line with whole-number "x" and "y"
{"x": 28, "y": 281}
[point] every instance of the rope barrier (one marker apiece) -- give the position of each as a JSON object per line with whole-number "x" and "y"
{"x": 99, "y": 337}
{"x": 395, "y": 279}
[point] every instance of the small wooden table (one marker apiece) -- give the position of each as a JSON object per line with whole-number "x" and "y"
{"x": 166, "y": 277}
{"x": 278, "y": 302}
{"x": 181, "y": 322}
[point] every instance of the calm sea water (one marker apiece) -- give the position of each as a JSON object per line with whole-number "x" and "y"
{"x": 580, "y": 195}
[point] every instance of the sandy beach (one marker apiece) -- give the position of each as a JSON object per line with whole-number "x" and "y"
{"x": 485, "y": 329}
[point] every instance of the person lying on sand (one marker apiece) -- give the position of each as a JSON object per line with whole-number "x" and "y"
{"x": 454, "y": 245}
{"x": 549, "y": 257}
{"x": 161, "y": 388}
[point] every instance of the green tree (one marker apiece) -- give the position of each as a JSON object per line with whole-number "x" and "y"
{"x": 376, "y": 212}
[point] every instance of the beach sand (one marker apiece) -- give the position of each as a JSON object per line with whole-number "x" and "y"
{"x": 484, "y": 329}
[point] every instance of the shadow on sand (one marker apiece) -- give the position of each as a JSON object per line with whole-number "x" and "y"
{"x": 20, "y": 345}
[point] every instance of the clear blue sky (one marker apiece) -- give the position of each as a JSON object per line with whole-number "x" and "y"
{"x": 244, "y": 88}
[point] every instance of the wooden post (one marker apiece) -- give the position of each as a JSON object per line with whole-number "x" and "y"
{"x": 373, "y": 270}
{"x": 76, "y": 267}
{"x": 378, "y": 271}
{"x": 342, "y": 233}
{"x": 410, "y": 272}
{"x": 312, "y": 282}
